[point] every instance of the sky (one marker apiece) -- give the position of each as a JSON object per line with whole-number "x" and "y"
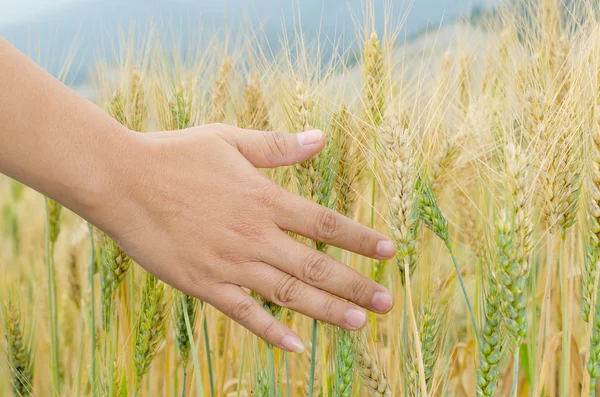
{"x": 16, "y": 11}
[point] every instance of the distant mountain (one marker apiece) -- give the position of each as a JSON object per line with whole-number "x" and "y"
{"x": 94, "y": 28}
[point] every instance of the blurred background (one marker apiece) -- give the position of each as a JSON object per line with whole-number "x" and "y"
{"x": 54, "y": 31}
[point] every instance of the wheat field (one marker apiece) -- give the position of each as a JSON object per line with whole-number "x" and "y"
{"x": 477, "y": 151}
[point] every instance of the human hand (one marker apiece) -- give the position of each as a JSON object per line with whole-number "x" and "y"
{"x": 192, "y": 209}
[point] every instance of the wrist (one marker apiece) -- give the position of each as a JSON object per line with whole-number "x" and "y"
{"x": 99, "y": 191}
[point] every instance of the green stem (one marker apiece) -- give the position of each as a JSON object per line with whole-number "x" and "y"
{"x": 80, "y": 355}
{"x": 372, "y": 316}
{"x": 287, "y": 375}
{"x": 184, "y": 380}
{"x": 208, "y": 360}
{"x": 565, "y": 326}
{"x": 271, "y": 370}
{"x": 188, "y": 327}
{"x": 464, "y": 291}
{"x": 93, "y": 380}
{"x": 313, "y": 356}
{"x": 239, "y": 384}
{"x": 405, "y": 337}
{"x": 52, "y": 303}
{"x": 532, "y": 347}
{"x": 515, "y": 383}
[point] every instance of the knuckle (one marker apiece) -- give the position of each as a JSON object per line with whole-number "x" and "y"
{"x": 275, "y": 146}
{"x": 250, "y": 230}
{"x": 288, "y": 290}
{"x": 327, "y": 225}
{"x": 267, "y": 333}
{"x": 327, "y": 309}
{"x": 244, "y": 309}
{"x": 357, "y": 290}
{"x": 363, "y": 241}
{"x": 268, "y": 196}
{"x": 220, "y": 126}
{"x": 316, "y": 268}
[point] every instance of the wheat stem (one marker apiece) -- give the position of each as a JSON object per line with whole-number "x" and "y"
{"x": 53, "y": 211}
{"x": 93, "y": 379}
{"x": 208, "y": 359}
{"x": 415, "y": 329}
{"x": 313, "y": 354}
{"x": 188, "y": 326}
{"x": 515, "y": 382}
{"x": 565, "y": 359}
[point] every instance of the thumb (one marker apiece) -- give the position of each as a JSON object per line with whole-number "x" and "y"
{"x": 268, "y": 149}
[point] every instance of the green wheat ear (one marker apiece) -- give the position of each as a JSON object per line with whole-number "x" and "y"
{"x": 344, "y": 363}
{"x": 151, "y": 325}
{"x": 592, "y": 256}
{"x": 491, "y": 349}
{"x": 429, "y": 323}
{"x": 184, "y": 303}
{"x": 429, "y": 212}
{"x": 19, "y": 353}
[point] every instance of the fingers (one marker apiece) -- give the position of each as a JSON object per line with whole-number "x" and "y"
{"x": 267, "y": 149}
{"x": 245, "y": 310}
{"x": 288, "y": 291}
{"x": 311, "y": 220}
{"x": 322, "y": 271}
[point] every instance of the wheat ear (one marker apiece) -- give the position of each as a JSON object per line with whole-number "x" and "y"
{"x": 255, "y": 113}
{"x": 369, "y": 372}
{"x": 492, "y": 342}
{"x": 19, "y": 353}
{"x": 221, "y": 92}
{"x": 399, "y": 173}
{"x": 430, "y": 214}
{"x": 112, "y": 272}
{"x": 151, "y": 325}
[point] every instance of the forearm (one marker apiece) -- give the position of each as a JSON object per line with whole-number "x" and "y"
{"x": 51, "y": 138}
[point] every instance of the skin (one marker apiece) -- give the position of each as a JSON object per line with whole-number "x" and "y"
{"x": 190, "y": 206}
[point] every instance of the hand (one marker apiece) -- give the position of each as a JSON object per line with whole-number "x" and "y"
{"x": 193, "y": 210}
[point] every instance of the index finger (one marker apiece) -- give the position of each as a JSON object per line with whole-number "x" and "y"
{"x": 305, "y": 217}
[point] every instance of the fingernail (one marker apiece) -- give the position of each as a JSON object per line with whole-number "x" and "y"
{"x": 292, "y": 343}
{"x": 309, "y": 137}
{"x": 382, "y": 301}
{"x": 385, "y": 248}
{"x": 355, "y": 318}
